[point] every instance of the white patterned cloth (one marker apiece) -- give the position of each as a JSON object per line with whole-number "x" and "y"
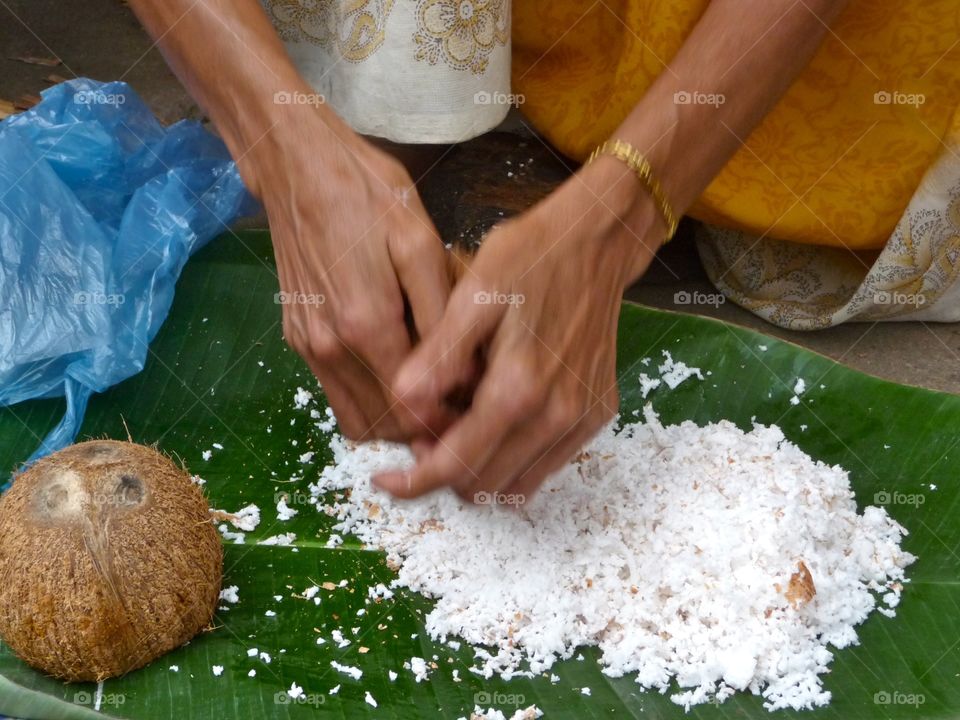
{"x": 410, "y": 71}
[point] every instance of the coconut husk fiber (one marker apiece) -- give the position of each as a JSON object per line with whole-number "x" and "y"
{"x": 108, "y": 559}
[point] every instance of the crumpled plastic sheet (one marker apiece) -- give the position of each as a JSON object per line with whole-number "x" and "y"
{"x": 100, "y": 208}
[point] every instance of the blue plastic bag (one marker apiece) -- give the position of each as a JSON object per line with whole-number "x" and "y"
{"x": 100, "y": 208}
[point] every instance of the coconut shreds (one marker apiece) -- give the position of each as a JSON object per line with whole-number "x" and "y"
{"x": 246, "y": 518}
{"x": 238, "y": 538}
{"x": 720, "y": 559}
{"x": 529, "y": 713}
{"x": 284, "y": 512}
{"x": 284, "y": 539}
{"x": 302, "y": 398}
{"x": 673, "y": 372}
{"x": 648, "y": 384}
{"x": 418, "y": 666}
{"x": 354, "y": 672}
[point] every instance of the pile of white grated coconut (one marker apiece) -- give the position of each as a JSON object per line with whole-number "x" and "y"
{"x": 718, "y": 559}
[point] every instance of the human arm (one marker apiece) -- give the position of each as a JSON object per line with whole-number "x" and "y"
{"x": 351, "y": 237}
{"x": 550, "y": 378}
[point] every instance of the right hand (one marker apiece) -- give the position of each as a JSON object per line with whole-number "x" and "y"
{"x": 348, "y": 227}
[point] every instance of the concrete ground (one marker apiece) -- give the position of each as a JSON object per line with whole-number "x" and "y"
{"x": 466, "y": 188}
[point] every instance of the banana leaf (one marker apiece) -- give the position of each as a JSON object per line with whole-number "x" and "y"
{"x": 219, "y": 372}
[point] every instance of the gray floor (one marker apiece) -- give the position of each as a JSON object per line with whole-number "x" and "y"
{"x": 101, "y": 39}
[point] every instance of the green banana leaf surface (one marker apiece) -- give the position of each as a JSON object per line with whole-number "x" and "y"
{"x": 219, "y": 372}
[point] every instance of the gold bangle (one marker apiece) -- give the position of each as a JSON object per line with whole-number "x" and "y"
{"x": 633, "y": 158}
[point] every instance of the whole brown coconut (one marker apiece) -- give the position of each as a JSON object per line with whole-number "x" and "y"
{"x": 108, "y": 559}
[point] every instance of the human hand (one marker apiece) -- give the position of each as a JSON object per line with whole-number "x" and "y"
{"x": 351, "y": 240}
{"x": 541, "y": 300}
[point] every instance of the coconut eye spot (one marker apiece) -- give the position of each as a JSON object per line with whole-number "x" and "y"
{"x": 61, "y": 497}
{"x": 96, "y": 452}
{"x": 55, "y": 497}
{"x": 129, "y": 491}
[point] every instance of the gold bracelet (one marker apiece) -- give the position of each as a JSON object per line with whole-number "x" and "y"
{"x": 625, "y": 152}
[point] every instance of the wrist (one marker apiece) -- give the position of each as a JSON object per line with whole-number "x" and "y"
{"x": 276, "y": 128}
{"x": 629, "y": 223}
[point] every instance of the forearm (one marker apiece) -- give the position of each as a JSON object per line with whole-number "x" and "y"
{"x": 230, "y": 59}
{"x": 743, "y": 53}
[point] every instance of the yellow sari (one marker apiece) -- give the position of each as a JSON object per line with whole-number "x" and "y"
{"x": 838, "y": 163}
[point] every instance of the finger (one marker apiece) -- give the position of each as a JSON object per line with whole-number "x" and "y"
{"x": 371, "y": 343}
{"x": 499, "y": 405}
{"x": 458, "y": 261}
{"x": 446, "y": 359}
{"x": 353, "y": 387}
{"x": 420, "y": 447}
{"x": 526, "y": 447}
{"x": 559, "y": 416}
{"x": 380, "y": 346}
{"x": 369, "y": 392}
{"x": 383, "y": 409}
{"x": 420, "y": 264}
{"x": 529, "y": 481}
{"x": 311, "y": 340}
{"x": 466, "y": 445}
{"x": 349, "y": 416}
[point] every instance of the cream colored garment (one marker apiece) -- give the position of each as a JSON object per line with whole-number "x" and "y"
{"x": 412, "y": 71}
{"x": 806, "y": 287}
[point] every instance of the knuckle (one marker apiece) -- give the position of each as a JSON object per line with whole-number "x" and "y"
{"x": 292, "y": 335}
{"x": 359, "y": 326}
{"x": 564, "y": 412}
{"x": 324, "y": 346}
{"x": 395, "y": 171}
{"x": 518, "y": 395}
{"x": 527, "y": 385}
{"x": 412, "y": 249}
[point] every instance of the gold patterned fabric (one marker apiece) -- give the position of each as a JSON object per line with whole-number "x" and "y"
{"x": 461, "y": 33}
{"x": 355, "y": 29}
{"x": 835, "y": 163}
{"x": 807, "y": 287}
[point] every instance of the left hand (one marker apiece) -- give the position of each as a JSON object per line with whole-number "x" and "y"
{"x": 540, "y": 303}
